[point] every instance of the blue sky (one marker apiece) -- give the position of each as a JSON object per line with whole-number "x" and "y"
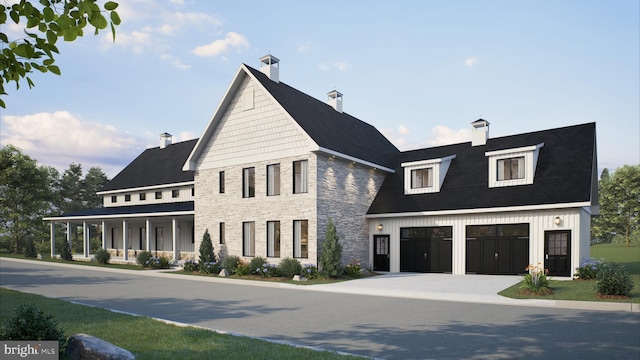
{"x": 420, "y": 71}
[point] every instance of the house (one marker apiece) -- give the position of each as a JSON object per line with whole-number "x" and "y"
{"x": 274, "y": 165}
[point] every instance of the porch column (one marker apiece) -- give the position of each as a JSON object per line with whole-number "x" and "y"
{"x": 69, "y": 236}
{"x": 104, "y": 235}
{"x": 85, "y": 239}
{"x": 52, "y": 237}
{"x": 147, "y": 234}
{"x": 125, "y": 240}
{"x": 174, "y": 233}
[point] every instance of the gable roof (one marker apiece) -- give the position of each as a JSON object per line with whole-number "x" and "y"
{"x": 333, "y": 132}
{"x": 155, "y": 167}
{"x": 564, "y": 174}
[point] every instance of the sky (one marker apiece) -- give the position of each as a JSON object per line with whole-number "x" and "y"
{"x": 419, "y": 71}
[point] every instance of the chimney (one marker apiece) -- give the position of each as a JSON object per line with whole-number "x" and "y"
{"x": 165, "y": 140}
{"x": 269, "y": 66}
{"x": 335, "y": 100}
{"x": 480, "y": 132}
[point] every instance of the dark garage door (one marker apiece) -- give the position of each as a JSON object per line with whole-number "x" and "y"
{"x": 497, "y": 249}
{"x": 426, "y": 249}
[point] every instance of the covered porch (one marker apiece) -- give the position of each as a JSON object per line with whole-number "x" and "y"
{"x": 162, "y": 229}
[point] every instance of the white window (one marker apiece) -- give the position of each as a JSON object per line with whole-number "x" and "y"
{"x": 512, "y": 167}
{"x": 273, "y": 238}
{"x": 248, "y": 238}
{"x": 421, "y": 178}
{"x": 273, "y": 179}
{"x": 248, "y": 182}
{"x": 425, "y": 176}
{"x": 300, "y": 177}
{"x": 301, "y": 239}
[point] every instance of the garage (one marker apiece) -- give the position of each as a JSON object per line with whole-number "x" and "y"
{"x": 497, "y": 249}
{"x": 426, "y": 249}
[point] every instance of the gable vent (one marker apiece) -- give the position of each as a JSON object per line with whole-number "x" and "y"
{"x": 335, "y": 100}
{"x": 269, "y": 65}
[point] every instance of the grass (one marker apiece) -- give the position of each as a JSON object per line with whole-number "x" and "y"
{"x": 151, "y": 339}
{"x": 581, "y": 290}
{"x": 74, "y": 262}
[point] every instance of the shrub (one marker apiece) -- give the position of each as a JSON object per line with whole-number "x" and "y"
{"x": 613, "y": 280}
{"x": 206, "y": 249}
{"x": 331, "y": 256}
{"x": 230, "y": 263}
{"x": 588, "y": 269}
{"x": 29, "y": 323}
{"x": 143, "y": 258}
{"x": 267, "y": 270}
{"x": 256, "y": 263}
{"x": 210, "y": 268}
{"x": 159, "y": 262}
{"x": 65, "y": 252}
{"x": 30, "y": 249}
{"x": 354, "y": 269}
{"x": 242, "y": 269}
{"x": 289, "y": 267}
{"x": 190, "y": 266}
{"x": 102, "y": 256}
{"x": 310, "y": 271}
{"x": 536, "y": 280}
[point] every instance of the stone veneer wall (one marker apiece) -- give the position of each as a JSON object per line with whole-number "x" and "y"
{"x": 345, "y": 192}
{"x": 212, "y": 208}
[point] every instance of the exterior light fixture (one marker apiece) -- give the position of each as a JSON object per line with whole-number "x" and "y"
{"x": 379, "y": 227}
{"x": 557, "y": 220}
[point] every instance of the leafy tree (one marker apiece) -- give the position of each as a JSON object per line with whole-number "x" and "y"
{"x": 331, "y": 256}
{"x": 44, "y": 24}
{"x": 620, "y": 202}
{"x": 206, "y": 249}
{"x": 25, "y": 196}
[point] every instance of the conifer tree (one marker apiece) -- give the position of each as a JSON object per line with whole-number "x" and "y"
{"x": 331, "y": 257}
{"x": 206, "y": 249}
{"x": 65, "y": 252}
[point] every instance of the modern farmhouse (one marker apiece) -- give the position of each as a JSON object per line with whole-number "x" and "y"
{"x": 274, "y": 165}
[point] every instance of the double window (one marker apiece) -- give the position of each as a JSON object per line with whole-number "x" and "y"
{"x": 422, "y": 178}
{"x": 511, "y": 168}
{"x": 248, "y": 182}
{"x": 301, "y": 239}
{"x": 273, "y": 238}
{"x": 273, "y": 179}
{"x": 300, "y": 176}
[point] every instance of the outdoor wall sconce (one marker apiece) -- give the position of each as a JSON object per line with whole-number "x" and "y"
{"x": 557, "y": 220}
{"x": 379, "y": 227}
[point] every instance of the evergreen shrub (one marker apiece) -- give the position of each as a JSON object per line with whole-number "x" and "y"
{"x": 331, "y": 256}
{"x": 143, "y": 258}
{"x": 30, "y": 250}
{"x": 102, "y": 256}
{"x": 206, "y": 249}
{"x": 29, "y": 323}
{"x": 613, "y": 280}
{"x": 65, "y": 252}
{"x": 230, "y": 263}
{"x": 289, "y": 267}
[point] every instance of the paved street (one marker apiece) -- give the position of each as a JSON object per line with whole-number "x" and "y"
{"x": 374, "y": 326}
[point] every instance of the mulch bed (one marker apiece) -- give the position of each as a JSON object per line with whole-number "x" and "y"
{"x": 545, "y": 292}
{"x": 613, "y": 297}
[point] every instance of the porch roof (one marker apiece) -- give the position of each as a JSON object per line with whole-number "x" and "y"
{"x": 135, "y": 211}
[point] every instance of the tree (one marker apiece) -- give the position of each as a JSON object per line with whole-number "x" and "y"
{"x": 44, "y": 24}
{"x": 600, "y": 230}
{"x": 620, "y": 202}
{"x": 94, "y": 180}
{"x": 25, "y": 196}
{"x": 71, "y": 190}
{"x": 331, "y": 256}
{"x": 206, "y": 249}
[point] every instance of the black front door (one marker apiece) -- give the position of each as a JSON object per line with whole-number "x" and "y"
{"x": 381, "y": 252}
{"x": 557, "y": 252}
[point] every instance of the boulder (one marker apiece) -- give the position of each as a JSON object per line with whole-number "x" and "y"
{"x": 87, "y": 347}
{"x": 299, "y": 278}
{"x": 223, "y": 273}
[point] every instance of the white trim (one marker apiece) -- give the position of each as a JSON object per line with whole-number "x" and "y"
{"x": 354, "y": 159}
{"x": 439, "y": 168}
{"x": 143, "y": 188}
{"x": 118, "y": 216}
{"x": 481, "y": 210}
{"x": 514, "y": 150}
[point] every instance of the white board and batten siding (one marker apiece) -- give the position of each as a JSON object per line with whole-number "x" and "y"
{"x": 577, "y": 220}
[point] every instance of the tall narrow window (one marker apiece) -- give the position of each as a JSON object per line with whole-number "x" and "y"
{"x": 273, "y": 179}
{"x": 300, "y": 176}
{"x": 512, "y": 168}
{"x": 221, "y": 182}
{"x": 248, "y": 238}
{"x": 273, "y": 238}
{"x": 114, "y": 198}
{"x": 421, "y": 178}
{"x": 222, "y": 235}
{"x": 248, "y": 182}
{"x": 301, "y": 239}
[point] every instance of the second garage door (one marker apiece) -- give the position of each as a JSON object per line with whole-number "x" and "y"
{"x": 497, "y": 249}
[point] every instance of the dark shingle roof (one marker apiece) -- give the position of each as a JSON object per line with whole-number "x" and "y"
{"x": 563, "y": 175}
{"x": 135, "y": 209}
{"x": 155, "y": 166}
{"x": 329, "y": 128}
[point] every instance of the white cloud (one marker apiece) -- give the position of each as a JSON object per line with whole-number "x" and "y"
{"x": 175, "y": 61}
{"x": 232, "y": 40}
{"x": 442, "y": 135}
{"x": 339, "y": 65}
{"x": 305, "y": 48}
{"x": 471, "y": 62}
{"x": 403, "y": 130}
{"x": 60, "y": 138}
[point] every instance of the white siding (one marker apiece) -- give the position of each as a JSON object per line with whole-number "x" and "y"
{"x": 185, "y": 192}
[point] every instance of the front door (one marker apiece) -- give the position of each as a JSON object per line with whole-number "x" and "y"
{"x": 381, "y": 252}
{"x": 557, "y": 252}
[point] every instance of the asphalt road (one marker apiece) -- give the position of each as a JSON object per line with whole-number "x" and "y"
{"x": 373, "y": 326}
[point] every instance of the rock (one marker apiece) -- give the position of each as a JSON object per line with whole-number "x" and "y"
{"x": 87, "y": 347}
{"x": 364, "y": 272}
{"x": 223, "y": 273}
{"x": 39, "y": 256}
{"x": 299, "y": 278}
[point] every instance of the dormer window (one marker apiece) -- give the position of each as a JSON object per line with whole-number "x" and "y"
{"x": 425, "y": 176}
{"x": 512, "y": 167}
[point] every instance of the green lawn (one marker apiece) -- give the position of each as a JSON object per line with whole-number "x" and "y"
{"x": 86, "y": 263}
{"x": 151, "y": 339}
{"x": 584, "y": 290}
